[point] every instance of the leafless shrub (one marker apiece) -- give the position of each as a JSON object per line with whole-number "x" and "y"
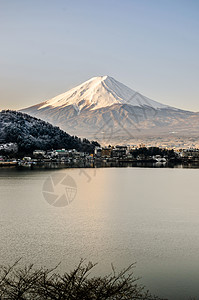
{"x": 43, "y": 284}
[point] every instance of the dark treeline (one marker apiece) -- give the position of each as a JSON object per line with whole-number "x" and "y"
{"x": 152, "y": 151}
{"x": 31, "y": 133}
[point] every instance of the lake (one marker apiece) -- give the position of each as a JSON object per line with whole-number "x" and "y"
{"x": 112, "y": 215}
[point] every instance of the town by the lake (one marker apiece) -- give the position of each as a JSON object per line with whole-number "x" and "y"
{"x": 119, "y": 155}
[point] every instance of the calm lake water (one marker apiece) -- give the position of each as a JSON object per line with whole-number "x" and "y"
{"x": 119, "y": 216}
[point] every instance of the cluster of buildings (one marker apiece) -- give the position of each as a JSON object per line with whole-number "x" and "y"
{"x": 124, "y": 153}
{"x": 127, "y": 152}
{"x": 99, "y": 152}
{"x": 60, "y": 154}
{"x": 110, "y": 153}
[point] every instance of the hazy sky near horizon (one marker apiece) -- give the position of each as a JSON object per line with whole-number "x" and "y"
{"x": 48, "y": 47}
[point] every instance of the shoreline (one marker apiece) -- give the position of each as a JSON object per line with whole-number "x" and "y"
{"x": 97, "y": 164}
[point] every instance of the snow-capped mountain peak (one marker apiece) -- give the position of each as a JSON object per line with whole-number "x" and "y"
{"x": 100, "y": 92}
{"x": 106, "y": 110}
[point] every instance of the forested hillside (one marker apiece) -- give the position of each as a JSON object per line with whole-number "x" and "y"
{"x": 31, "y": 133}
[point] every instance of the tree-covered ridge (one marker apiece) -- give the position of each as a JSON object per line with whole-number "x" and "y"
{"x": 31, "y": 133}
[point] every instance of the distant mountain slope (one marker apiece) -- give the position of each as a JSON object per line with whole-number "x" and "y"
{"x": 102, "y": 104}
{"x": 31, "y": 133}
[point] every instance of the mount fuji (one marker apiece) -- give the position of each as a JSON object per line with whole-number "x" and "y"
{"x": 104, "y": 109}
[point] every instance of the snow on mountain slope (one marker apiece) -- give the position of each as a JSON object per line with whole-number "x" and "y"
{"x": 102, "y": 104}
{"x": 100, "y": 92}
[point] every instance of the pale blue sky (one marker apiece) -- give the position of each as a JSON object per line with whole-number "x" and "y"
{"x": 48, "y": 46}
